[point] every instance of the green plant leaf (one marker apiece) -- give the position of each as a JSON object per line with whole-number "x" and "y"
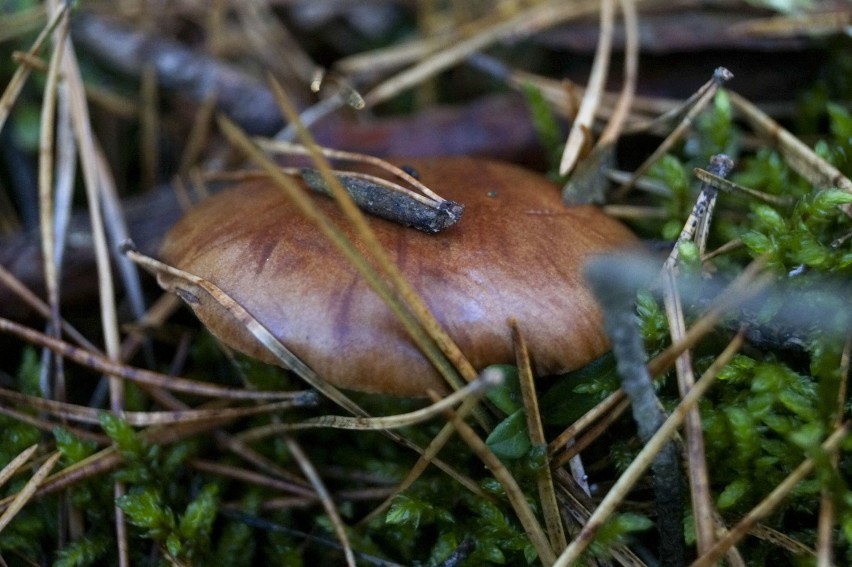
{"x": 510, "y": 439}
{"x": 545, "y": 124}
{"x": 197, "y": 520}
{"x": 144, "y": 509}
{"x": 73, "y": 448}
{"x": 733, "y": 493}
{"x": 124, "y": 436}
{"x": 577, "y": 392}
{"x": 506, "y": 396}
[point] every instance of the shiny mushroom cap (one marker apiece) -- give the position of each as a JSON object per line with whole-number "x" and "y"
{"x": 516, "y": 252}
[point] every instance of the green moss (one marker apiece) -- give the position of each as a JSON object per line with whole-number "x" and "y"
{"x": 547, "y": 128}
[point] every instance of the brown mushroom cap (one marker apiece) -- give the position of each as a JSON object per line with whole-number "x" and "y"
{"x": 516, "y": 252}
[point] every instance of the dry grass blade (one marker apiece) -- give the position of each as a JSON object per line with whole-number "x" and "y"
{"x": 149, "y": 132}
{"x": 588, "y": 182}
{"x": 580, "y": 136}
{"x": 546, "y": 492}
{"x": 92, "y": 178}
{"x": 768, "y": 504}
{"x": 595, "y": 423}
{"x": 645, "y": 457}
{"x": 301, "y": 488}
{"x": 393, "y": 57}
{"x": 29, "y": 489}
{"x": 48, "y": 129}
{"x": 699, "y": 478}
{"x": 783, "y": 541}
{"x": 825, "y": 527}
{"x": 100, "y": 463}
{"x": 197, "y": 287}
{"x": 726, "y": 185}
{"x": 79, "y": 117}
{"x": 99, "y": 363}
{"x": 815, "y": 24}
{"x": 279, "y": 146}
{"x": 612, "y": 131}
{"x": 475, "y": 390}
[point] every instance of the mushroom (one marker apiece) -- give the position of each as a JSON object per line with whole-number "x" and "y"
{"x": 517, "y": 252}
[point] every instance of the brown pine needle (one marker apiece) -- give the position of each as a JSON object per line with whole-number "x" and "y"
{"x": 314, "y": 478}
{"x": 580, "y": 136}
{"x": 720, "y": 76}
{"x": 12, "y": 467}
{"x": 83, "y": 414}
{"x": 516, "y": 497}
{"x": 703, "y": 511}
{"x": 768, "y": 504}
{"x": 546, "y": 491}
{"x": 644, "y": 459}
{"x": 475, "y": 390}
{"x": 29, "y": 489}
{"x": 801, "y": 158}
{"x": 99, "y": 363}
{"x": 19, "y": 79}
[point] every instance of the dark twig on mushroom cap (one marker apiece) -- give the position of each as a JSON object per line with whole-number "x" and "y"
{"x": 517, "y": 252}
